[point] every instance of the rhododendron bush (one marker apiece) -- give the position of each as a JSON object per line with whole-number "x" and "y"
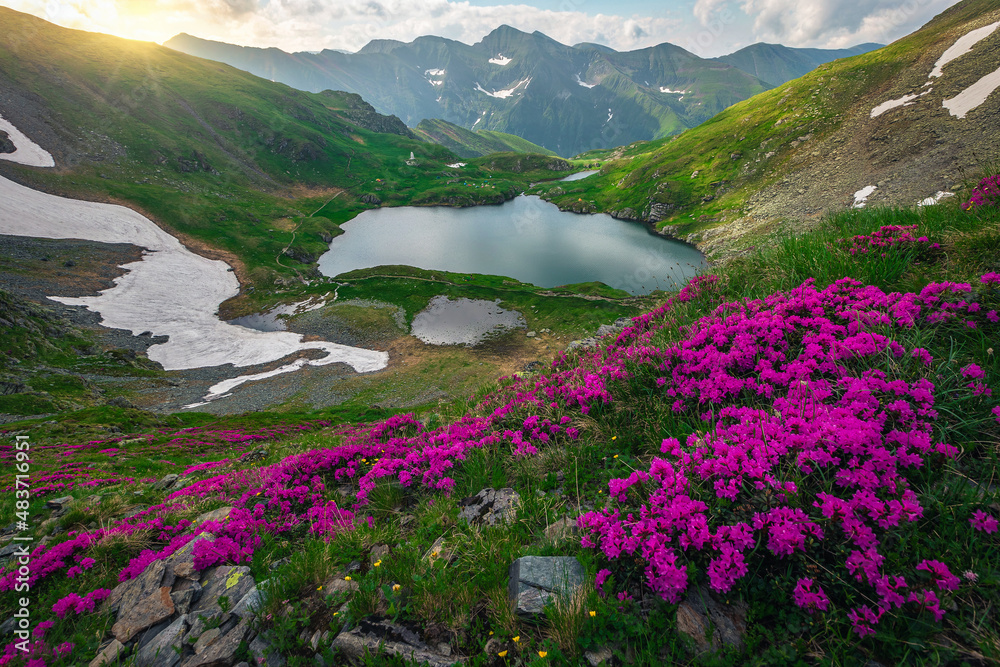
{"x": 813, "y": 414}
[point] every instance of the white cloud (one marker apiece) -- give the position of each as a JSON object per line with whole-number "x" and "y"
{"x": 826, "y": 23}
{"x": 307, "y": 25}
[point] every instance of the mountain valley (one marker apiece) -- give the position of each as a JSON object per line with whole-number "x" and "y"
{"x": 779, "y": 446}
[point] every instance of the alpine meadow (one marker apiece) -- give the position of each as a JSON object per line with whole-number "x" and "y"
{"x": 581, "y": 349}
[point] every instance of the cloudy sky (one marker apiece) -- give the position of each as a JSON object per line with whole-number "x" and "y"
{"x": 706, "y": 27}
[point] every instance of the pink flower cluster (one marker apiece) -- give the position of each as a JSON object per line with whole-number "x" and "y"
{"x": 887, "y": 236}
{"x": 807, "y": 442}
{"x": 987, "y": 193}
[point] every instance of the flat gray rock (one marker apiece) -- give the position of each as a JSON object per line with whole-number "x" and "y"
{"x": 702, "y": 610}
{"x": 163, "y": 650}
{"x": 490, "y": 506}
{"x": 128, "y": 593}
{"x": 385, "y": 637}
{"x": 111, "y": 654}
{"x": 260, "y": 649}
{"x": 230, "y": 581}
{"x": 153, "y": 609}
{"x": 219, "y": 653}
{"x": 535, "y": 581}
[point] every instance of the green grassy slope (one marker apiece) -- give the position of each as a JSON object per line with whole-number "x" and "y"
{"x": 804, "y": 148}
{"x": 468, "y": 143}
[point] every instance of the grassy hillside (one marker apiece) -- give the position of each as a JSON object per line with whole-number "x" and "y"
{"x": 468, "y": 143}
{"x": 213, "y": 153}
{"x": 820, "y": 461}
{"x": 802, "y": 149}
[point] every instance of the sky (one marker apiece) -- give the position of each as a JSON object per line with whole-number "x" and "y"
{"x": 706, "y": 27}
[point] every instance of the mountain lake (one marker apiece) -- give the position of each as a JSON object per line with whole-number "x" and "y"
{"x": 527, "y": 239}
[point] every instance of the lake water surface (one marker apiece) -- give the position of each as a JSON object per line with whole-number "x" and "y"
{"x": 526, "y": 238}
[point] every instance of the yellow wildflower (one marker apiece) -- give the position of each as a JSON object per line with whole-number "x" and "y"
{"x": 542, "y": 654}
{"x": 517, "y": 638}
{"x": 502, "y": 654}
{"x": 593, "y": 614}
{"x": 395, "y": 587}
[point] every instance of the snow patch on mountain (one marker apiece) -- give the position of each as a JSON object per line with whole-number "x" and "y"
{"x": 504, "y": 94}
{"x": 862, "y": 195}
{"x": 26, "y": 152}
{"x": 962, "y": 46}
{"x": 970, "y": 98}
{"x": 973, "y": 96}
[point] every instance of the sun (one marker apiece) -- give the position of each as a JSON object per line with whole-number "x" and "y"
{"x": 132, "y": 19}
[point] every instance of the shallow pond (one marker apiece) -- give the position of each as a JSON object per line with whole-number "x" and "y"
{"x": 580, "y": 175}
{"x": 463, "y": 321}
{"x": 526, "y": 238}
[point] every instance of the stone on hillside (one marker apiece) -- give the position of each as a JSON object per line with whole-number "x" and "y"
{"x": 165, "y": 482}
{"x": 318, "y": 638}
{"x": 607, "y": 329}
{"x": 185, "y": 597}
{"x": 562, "y": 530}
{"x": 337, "y": 584}
{"x": 220, "y": 652}
{"x": 200, "y": 623}
{"x": 219, "y": 514}
{"x": 6, "y": 145}
{"x": 702, "y": 610}
{"x": 254, "y": 456}
{"x": 164, "y": 649}
{"x": 490, "y": 506}
{"x": 230, "y": 581}
{"x": 439, "y": 550}
{"x": 59, "y": 503}
{"x": 260, "y": 649}
{"x": 378, "y": 552}
{"x": 598, "y": 656}
{"x": 251, "y": 603}
{"x": 128, "y": 594}
{"x": 154, "y": 608}
{"x": 181, "y": 562}
{"x": 374, "y": 637}
{"x": 537, "y": 580}
{"x": 205, "y": 639}
{"x": 110, "y": 654}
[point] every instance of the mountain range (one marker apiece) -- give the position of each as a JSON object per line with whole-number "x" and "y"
{"x": 893, "y": 127}
{"x": 568, "y": 99}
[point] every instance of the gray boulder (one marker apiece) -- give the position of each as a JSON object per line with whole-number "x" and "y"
{"x": 374, "y": 637}
{"x": 710, "y": 621}
{"x": 535, "y": 581}
{"x": 490, "y": 507}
